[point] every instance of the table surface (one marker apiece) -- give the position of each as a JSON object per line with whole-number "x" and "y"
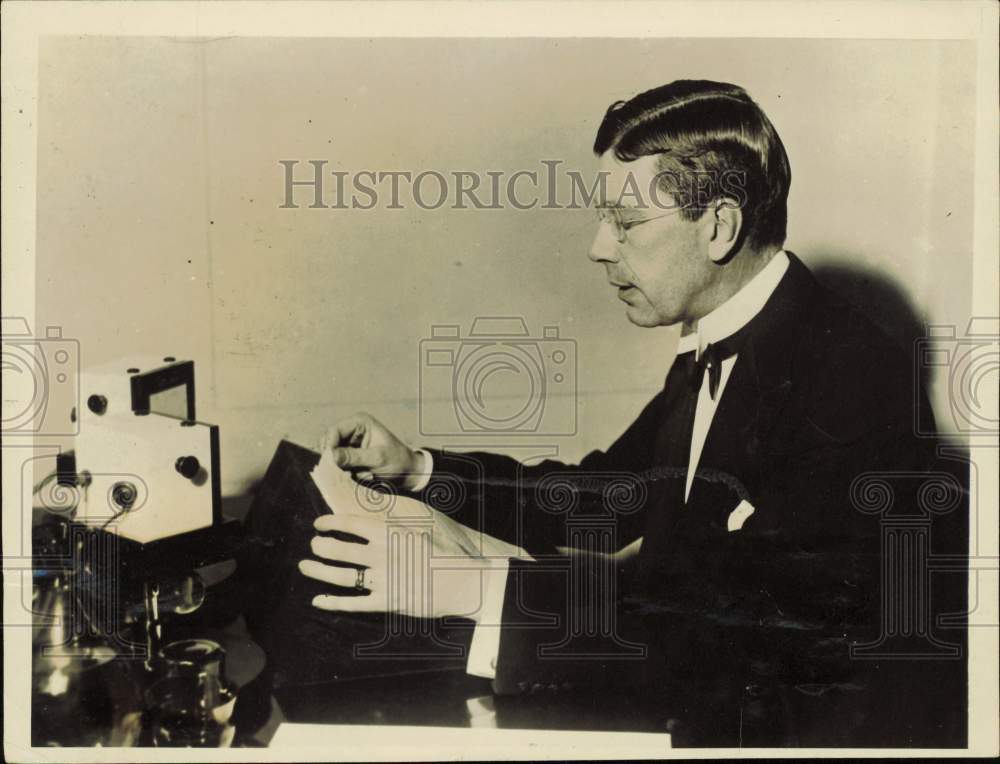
{"x": 104, "y": 705}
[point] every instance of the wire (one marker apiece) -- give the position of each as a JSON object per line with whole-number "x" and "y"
{"x": 115, "y": 516}
{"x": 44, "y": 482}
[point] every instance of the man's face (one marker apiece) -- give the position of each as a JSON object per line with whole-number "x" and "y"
{"x": 662, "y": 270}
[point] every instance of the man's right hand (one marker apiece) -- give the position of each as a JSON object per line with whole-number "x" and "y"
{"x": 363, "y": 445}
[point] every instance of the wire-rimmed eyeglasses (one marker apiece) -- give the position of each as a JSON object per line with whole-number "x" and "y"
{"x": 621, "y": 223}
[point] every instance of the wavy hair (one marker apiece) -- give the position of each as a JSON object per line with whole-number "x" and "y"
{"x": 713, "y": 142}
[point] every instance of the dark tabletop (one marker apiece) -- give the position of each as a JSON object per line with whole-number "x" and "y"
{"x": 104, "y": 704}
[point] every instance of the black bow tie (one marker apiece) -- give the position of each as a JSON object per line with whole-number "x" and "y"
{"x": 711, "y": 360}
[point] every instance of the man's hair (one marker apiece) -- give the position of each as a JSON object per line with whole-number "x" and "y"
{"x": 713, "y": 142}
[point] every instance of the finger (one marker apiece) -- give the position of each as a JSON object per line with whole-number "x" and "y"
{"x": 329, "y": 574}
{"x": 363, "y": 604}
{"x": 366, "y": 526}
{"x": 342, "y": 551}
{"x": 328, "y": 440}
{"x": 365, "y": 475}
{"x": 348, "y": 431}
{"x": 357, "y": 458}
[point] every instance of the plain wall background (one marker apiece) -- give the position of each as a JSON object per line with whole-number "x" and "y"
{"x": 160, "y": 228}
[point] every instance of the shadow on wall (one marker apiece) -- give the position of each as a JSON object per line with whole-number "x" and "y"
{"x": 879, "y": 297}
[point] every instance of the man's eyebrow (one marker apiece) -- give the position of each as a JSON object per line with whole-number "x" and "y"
{"x": 619, "y": 209}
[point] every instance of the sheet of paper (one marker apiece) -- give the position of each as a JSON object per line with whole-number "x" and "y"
{"x": 333, "y": 742}
{"x": 345, "y": 496}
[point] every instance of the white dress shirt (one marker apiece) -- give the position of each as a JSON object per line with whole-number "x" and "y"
{"x": 724, "y": 321}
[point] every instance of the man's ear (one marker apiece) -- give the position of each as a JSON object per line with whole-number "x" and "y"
{"x": 727, "y": 219}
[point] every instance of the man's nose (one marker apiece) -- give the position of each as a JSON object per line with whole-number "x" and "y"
{"x": 604, "y": 248}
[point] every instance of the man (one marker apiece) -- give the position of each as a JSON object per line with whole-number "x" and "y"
{"x": 755, "y": 568}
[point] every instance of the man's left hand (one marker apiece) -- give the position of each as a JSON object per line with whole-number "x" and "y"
{"x": 407, "y": 570}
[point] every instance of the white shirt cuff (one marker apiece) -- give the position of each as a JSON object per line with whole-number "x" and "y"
{"x": 428, "y": 470}
{"x": 485, "y": 645}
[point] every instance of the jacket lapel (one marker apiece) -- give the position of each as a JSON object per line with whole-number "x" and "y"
{"x": 754, "y": 396}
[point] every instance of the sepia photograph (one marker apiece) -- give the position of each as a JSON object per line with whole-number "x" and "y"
{"x": 482, "y": 381}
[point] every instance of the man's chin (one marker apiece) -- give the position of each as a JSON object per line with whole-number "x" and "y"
{"x": 642, "y": 316}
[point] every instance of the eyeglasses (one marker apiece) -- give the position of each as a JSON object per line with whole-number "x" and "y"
{"x": 622, "y": 225}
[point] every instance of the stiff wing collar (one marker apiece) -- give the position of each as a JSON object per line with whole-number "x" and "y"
{"x": 738, "y": 310}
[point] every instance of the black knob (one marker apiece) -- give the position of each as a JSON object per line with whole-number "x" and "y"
{"x": 124, "y": 494}
{"x": 188, "y": 466}
{"x": 98, "y": 404}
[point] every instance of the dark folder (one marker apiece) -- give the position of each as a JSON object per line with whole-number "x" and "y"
{"x": 305, "y": 645}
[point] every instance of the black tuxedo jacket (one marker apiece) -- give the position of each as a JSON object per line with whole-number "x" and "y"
{"x": 819, "y": 403}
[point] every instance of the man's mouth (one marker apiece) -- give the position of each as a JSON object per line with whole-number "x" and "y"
{"x": 624, "y": 290}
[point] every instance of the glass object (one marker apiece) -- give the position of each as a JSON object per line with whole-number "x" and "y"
{"x": 191, "y": 705}
{"x": 71, "y": 700}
